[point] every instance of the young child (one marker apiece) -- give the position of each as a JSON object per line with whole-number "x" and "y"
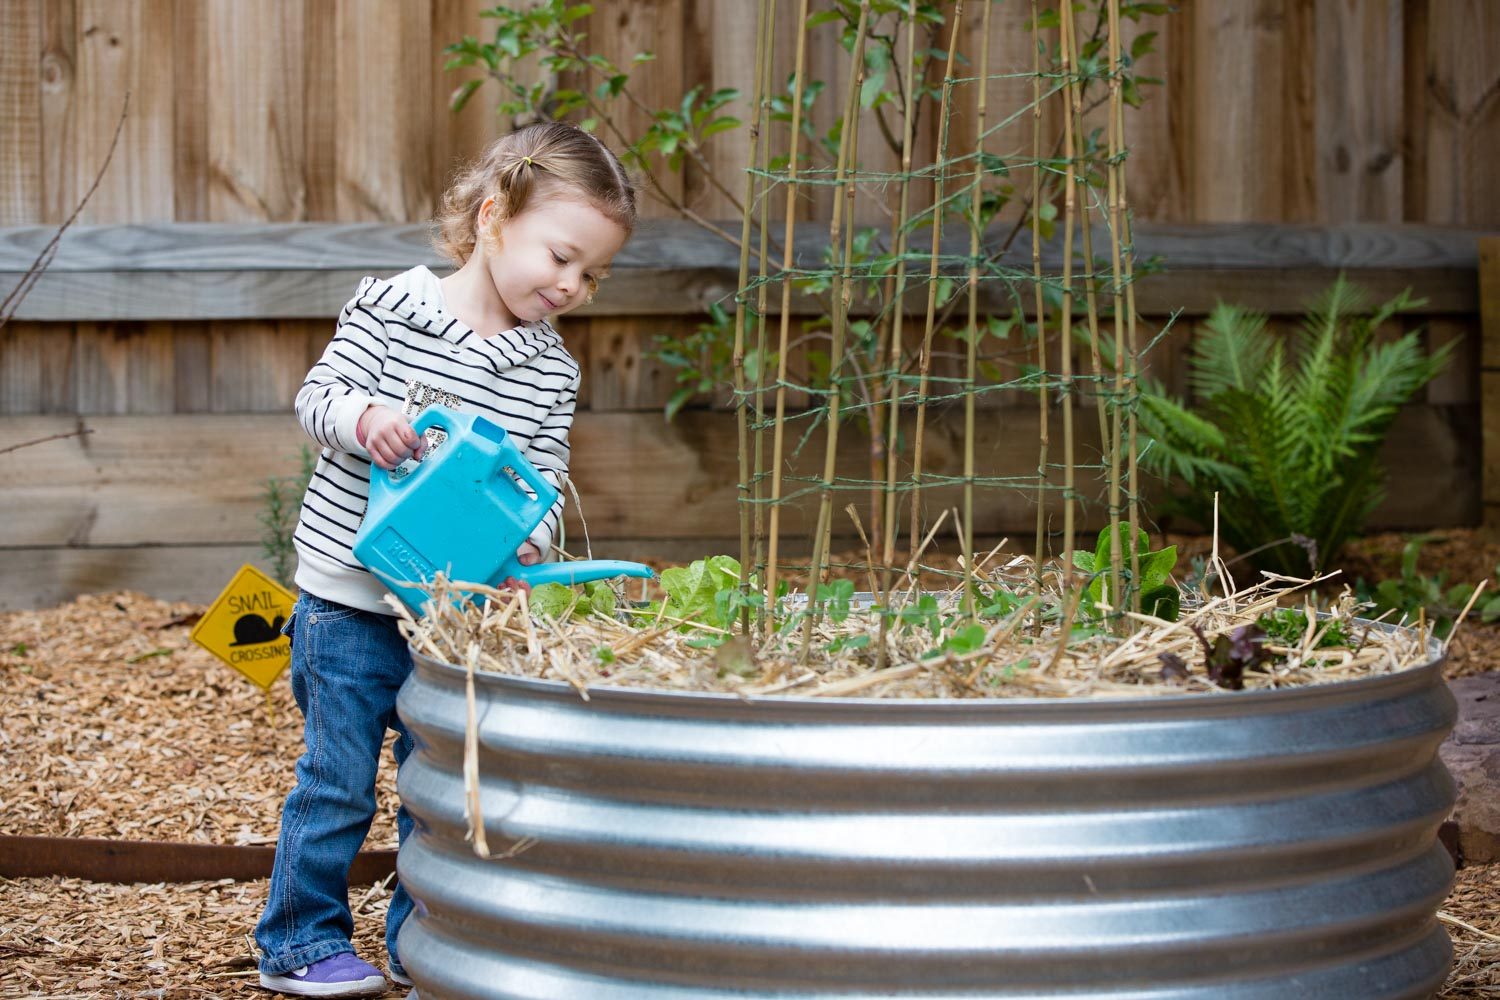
{"x": 534, "y": 224}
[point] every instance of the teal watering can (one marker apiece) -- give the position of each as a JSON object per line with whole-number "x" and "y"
{"x": 464, "y": 509}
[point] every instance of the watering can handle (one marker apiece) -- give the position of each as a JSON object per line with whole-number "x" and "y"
{"x": 382, "y": 485}
{"x": 434, "y": 416}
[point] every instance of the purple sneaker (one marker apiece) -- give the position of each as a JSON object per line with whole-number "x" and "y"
{"x": 398, "y": 976}
{"x": 342, "y": 975}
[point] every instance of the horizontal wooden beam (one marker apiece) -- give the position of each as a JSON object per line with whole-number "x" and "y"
{"x": 198, "y": 271}
{"x": 169, "y": 504}
{"x": 100, "y": 859}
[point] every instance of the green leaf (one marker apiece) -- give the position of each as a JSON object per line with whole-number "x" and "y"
{"x": 1142, "y": 44}
{"x": 967, "y": 639}
{"x": 872, "y": 86}
{"x": 844, "y": 643}
{"x": 722, "y": 124}
{"x": 601, "y": 597}
{"x": 462, "y": 93}
{"x": 1162, "y": 602}
{"x": 553, "y": 600}
{"x": 678, "y": 400}
{"x": 1156, "y": 567}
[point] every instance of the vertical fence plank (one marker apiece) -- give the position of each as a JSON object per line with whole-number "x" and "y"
{"x": 458, "y": 136}
{"x": 575, "y": 332}
{"x": 20, "y": 113}
{"x": 125, "y": 47}
{"x": 256, "y": 367}
{"x": 384, "y": 84}
{"x": 59, "y": 142}
{"x": 1236, "y": 90}
{"x": 36, "y": 368}
{"x": 726, "y": 58}
{"x": 1461, "y": 112}
{"x": 1458, "y": 384}
{"x": 1489, "y": 360}
{"x": 1007, "y": 93}
{"x": 194, "y": 97}
{"x": 191, "y": 367}
{"x": 125, "y": 368}
{"x": 618, "y": 29}
{"x": 1297, "y": 47}
{"x": 320, "y": 111}
{"x": 1359, "y": 99}
{"x": 256, "y": 138}
{"x": 1154, "y": 179}
{"x": 620, "y": 374}
{"x": 1179, "y": 79}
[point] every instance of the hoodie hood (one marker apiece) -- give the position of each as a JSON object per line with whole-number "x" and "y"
{"x": 414, "y": 299}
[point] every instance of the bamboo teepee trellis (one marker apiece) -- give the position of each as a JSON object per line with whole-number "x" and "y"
{"x": 889, "y": 382}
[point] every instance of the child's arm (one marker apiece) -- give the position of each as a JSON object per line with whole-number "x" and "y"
{"x": 336, "y": 404}
{"x": 549, "y": 451}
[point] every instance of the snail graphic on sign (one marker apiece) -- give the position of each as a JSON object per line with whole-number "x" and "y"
{"x": 252, "y": 630}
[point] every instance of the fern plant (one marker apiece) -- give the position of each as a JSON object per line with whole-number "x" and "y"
{"x": 1287, "y": 432}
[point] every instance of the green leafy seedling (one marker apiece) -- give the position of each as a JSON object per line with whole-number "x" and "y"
{"x": 560, "y": 602}
{"x": 1160, "y": 597}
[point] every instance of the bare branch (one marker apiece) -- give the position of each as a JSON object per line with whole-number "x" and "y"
{"x": 44, "y": 259}
{"x": 79, "y": 432}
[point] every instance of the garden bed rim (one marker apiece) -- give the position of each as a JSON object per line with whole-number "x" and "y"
{"x": 1224, "y": 700}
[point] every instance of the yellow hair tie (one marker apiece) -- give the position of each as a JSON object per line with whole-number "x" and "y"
{"x": 527, "y": 160}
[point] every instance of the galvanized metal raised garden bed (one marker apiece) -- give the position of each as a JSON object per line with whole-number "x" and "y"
{"x": 1258, "y": 844}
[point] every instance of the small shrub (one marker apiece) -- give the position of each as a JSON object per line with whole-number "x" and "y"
{"x": 280, "y": 501}
{"x": 1411, "y": 593}
{"x": 1287, "y": 435}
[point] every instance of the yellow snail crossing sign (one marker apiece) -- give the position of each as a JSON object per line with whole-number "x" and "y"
{"x": 243, "y": 627}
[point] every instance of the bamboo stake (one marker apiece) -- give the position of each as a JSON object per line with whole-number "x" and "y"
{"x": 1070, "y": 197}
{"x": 1122, "y": 235}
{"x": 1041, "y": 313}
{"x": 893, "y": 354}
{"x": 789, "y": 238}
{"x": 925, "y": 363}
{"x": 1116, "y": 560}
{"x": 844, "y": 191}
{"x": 762, "y": 294}
{"x": 741, "y": 408}
{"x": 1095, "y": 355}
{"x": 972, "y": 361}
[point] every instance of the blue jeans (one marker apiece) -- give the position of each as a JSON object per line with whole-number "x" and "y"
{"x": 347, "y": 666}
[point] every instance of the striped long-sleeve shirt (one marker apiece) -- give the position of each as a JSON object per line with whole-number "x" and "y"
{"x": 396, "y": 345}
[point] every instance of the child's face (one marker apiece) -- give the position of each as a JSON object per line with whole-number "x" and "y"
{"x": 550, "y": 256}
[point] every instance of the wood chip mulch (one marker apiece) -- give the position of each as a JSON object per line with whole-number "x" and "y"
{"x": 116, "y": 725}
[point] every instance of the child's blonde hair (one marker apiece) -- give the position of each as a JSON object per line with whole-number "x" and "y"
{"x": 530, "y": 162}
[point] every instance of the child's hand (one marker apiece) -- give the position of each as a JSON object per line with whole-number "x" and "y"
{"x": 388, "y": 436}
{"x": 527, "y": 555}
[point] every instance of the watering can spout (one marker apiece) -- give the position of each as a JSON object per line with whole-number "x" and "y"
{"x": 579, "y": 571}
{"x": 475, "y": 482}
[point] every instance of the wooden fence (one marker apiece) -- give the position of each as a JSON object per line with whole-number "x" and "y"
{"x": 277, "y": 150}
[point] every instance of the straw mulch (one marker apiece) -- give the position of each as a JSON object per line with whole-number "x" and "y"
{"x": 1006, "y": 655}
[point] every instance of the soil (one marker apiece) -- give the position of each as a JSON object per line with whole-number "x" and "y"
{"x": 117, "y": 725}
